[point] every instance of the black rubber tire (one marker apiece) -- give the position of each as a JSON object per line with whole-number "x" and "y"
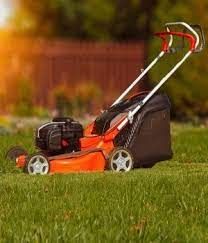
{"x": 113, "y": 153}
{"x": 15, "y": 152}
{"x": 28, "y": 160}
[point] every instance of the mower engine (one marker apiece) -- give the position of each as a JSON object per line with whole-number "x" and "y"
{"x": 59, "y": 136}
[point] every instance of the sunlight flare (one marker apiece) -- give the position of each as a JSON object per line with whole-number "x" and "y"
{"x": 5, "y": 12}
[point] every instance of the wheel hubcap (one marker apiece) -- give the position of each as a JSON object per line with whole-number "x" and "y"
{"x": 121, "y": 161}
{"x": 38, "y": 165}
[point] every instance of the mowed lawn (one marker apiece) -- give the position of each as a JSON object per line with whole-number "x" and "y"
{"x": 168, "y": 203}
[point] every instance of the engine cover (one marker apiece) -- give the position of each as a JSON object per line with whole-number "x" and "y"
{"x": 62, "y": 135}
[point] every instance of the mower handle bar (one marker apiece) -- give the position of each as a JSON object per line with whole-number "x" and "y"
{"x": 188, "y": 27}
{"x": 194, "y": 41}
{"x": 193, "y": 38}
{"x": 165, "y": 45}
{"x": 144, "y": 72}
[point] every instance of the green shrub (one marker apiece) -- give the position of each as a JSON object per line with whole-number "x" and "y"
{"x": 87, "y": 95}
{"x": 24, "y": 98}
{"x": 62, "y": 96}
{"x": 76, "y": 101}
{"x": 40, "y": 111}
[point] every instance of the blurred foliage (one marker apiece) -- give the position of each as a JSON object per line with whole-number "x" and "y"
{"x": 40, "y": 112}
{"x": 84, "y": 19}
{"x": 76, "y": 101}
{"x": 24, "y": 97}
{"x": 63, "y": 97}
{"x": 23, "y": 101}
{"x": 87, "y": 95}
{"x": 188, "y": 87}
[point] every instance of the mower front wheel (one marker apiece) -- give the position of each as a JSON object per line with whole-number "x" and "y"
{"x": 121, "y": 160}
{"x": 37, "y": 164}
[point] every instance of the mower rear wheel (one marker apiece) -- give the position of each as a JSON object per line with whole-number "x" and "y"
{"x": 121, "y": 160}
{"x": 37, "y": 164}
{"x": 14, "y": 152}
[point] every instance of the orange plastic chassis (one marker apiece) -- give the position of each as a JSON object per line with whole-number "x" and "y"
{"x": 93, "y": 156}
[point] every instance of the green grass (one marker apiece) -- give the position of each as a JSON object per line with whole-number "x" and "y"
{"x": 168, "y": 203}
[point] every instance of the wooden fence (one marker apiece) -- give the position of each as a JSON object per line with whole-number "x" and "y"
{"x": 49, "y": 63}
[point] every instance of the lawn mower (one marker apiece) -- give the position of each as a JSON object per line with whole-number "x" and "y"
{"x": 133, "y": 132}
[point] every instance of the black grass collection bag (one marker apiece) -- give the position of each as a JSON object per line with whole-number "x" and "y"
{"x": 148, "y": 137}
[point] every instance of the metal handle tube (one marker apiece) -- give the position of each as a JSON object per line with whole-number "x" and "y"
{"x": 157, "y": 87}
{"x": 162, "y": 81}
{"x": 139, "y": 78}
{"x": 158, "y": 58}
{"x": 144, "y": 72}
{"x": 189, "y": 28}
{"x": 131, "y": 114}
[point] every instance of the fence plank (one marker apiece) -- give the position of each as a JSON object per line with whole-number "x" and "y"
{"x": 48, "y": 63}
